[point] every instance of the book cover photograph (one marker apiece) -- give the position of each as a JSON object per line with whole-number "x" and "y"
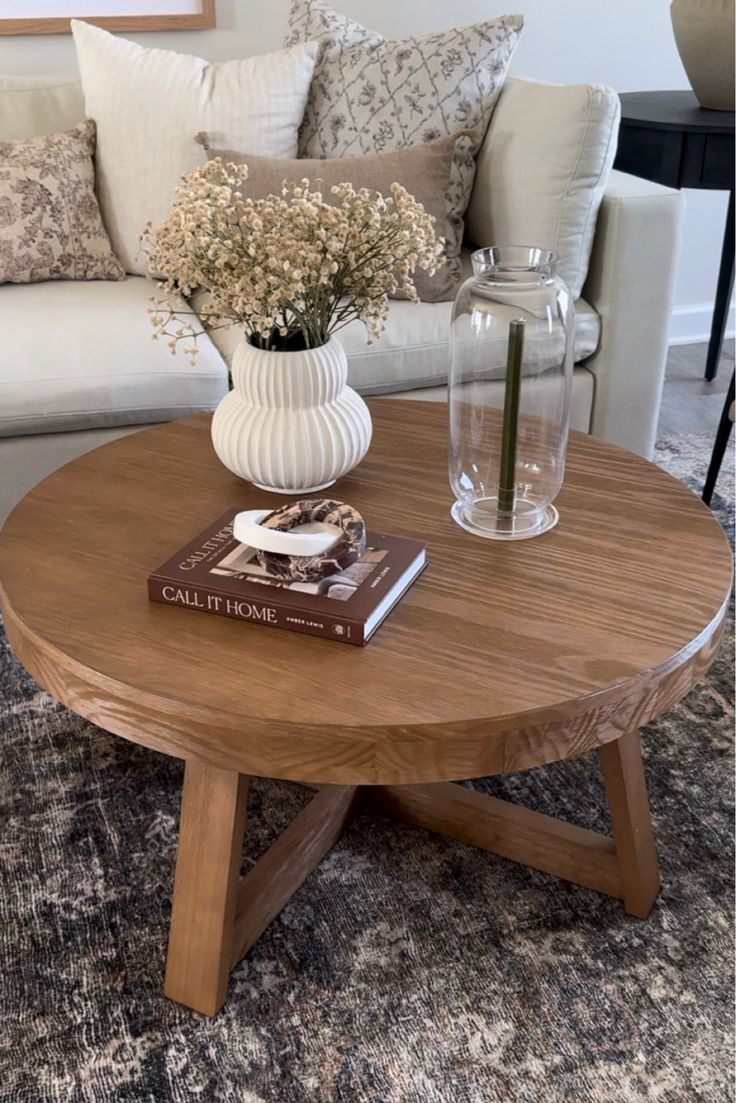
{"x": 215, "y": 573}
{"x": 242, "y": 564}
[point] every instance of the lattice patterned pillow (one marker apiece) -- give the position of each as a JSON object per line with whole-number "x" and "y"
{"x": 368, "y": 95}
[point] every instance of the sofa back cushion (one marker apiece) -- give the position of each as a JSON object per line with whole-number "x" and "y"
{"x": 147, "y": 104}
{"x": 542, "y": 170}
{"x": 32, "y": 107}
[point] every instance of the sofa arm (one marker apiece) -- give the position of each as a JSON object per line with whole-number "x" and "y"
{"x": 630, "y": 284}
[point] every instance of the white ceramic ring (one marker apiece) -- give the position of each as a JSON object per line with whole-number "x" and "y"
{"x": 247, "y": 529}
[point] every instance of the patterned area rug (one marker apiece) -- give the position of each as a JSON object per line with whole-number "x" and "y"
{"x": 407, "y": 970}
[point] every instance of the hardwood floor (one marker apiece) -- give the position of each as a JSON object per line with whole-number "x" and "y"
{"x": 689, "y": 404}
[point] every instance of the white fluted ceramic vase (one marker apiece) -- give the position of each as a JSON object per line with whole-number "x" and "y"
{"x": 291, "y": 424}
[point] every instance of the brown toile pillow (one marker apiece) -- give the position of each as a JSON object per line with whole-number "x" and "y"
{"x": 424, "y": 170}
{"x": 50, "y": 223}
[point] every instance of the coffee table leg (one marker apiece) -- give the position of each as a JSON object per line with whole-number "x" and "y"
{"x": 632, "y": 823}
{"x": 212, "y": 825}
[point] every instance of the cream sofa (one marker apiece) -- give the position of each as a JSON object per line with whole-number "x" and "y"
{"x": 79, "y": 366}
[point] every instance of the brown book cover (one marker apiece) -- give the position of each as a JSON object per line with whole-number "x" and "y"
{"x": 216, "y": 574}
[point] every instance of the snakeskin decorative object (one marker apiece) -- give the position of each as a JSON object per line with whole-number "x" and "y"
{"x": 304, "y": 568}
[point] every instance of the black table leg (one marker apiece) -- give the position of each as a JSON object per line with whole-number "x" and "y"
{"x": 724, "y": 432}
{"x": 723, "y": 297}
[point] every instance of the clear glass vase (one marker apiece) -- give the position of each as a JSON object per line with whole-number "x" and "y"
{"x": 509, "y": 393}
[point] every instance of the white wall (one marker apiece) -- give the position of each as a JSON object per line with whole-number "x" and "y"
{"x": 625, "y": 43}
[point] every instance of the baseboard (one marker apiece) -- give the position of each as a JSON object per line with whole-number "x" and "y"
{"x": 690, "y": 324}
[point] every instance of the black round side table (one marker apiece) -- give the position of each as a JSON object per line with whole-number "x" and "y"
{"x": 667, "y": 137}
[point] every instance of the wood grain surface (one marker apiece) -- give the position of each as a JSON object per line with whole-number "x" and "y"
{"x": 628, "y": 801}
{"x": 285, "y": 866}
{"x": 520, "y": 834}
{"x": 216, "y": 914}
{"x": 213, "y": 806}
{"x": 501, "y": 656}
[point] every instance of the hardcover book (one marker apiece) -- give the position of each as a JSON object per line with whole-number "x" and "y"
{"x": 216, "y": 574}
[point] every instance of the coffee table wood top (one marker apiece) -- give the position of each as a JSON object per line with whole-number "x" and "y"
{"x": 501, "y": 656}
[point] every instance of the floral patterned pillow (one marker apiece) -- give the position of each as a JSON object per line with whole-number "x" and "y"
{"x": 50, "y": 223}
{"x": 368, "y": 95}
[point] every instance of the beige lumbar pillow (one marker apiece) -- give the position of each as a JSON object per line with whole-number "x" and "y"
{"x": 50, "y": 224}
{"x": 424, "y": 170}
{"x": 148, "y": 103}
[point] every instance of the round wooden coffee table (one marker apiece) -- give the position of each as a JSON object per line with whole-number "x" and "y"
{"x": 500, "y": 657}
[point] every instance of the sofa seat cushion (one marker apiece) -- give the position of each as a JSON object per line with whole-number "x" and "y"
{"x": 80, "y": 356}
{"x": 414, "y": 348}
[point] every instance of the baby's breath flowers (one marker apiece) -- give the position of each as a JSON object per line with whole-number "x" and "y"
{"x": 291, "y": 269}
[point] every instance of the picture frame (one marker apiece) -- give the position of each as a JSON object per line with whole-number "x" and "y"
{"x": 54, "y": 16}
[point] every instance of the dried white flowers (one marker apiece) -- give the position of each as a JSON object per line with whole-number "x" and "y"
{"x": 290, "y": 269}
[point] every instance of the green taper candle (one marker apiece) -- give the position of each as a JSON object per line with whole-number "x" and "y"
{"x": 507, "y": 477}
